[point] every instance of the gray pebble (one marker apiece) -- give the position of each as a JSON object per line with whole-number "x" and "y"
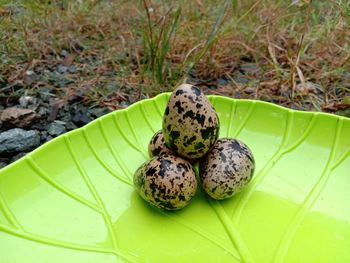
{"x": 72, "y": 69}
{"x": 55, "y": 128}
{"x": 18, "y": 140}
{"x": 64, "y": 53}
{"x": 98, "y": 112}
{"x": 62, "y": 69}
{"x": 71, "y": 126}
{"x": 222, "y": 82}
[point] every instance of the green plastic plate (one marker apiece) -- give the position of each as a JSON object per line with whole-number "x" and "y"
{"x": 72, "y": 199}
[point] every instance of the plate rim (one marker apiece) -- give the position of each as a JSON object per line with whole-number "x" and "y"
{"x": 164, "y": 94}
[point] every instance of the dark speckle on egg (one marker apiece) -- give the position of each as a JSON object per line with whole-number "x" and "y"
{"x": 166, "y": 111}
{"x": 179, "y": 108}
{"x": 179, "y": 92}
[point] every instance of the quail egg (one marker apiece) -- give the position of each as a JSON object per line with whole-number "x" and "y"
{"x": 157, "y": 145}
{"x": 167, "y": 182}
{"x": 190, "y": 123}
{"x": 227, "y": 168}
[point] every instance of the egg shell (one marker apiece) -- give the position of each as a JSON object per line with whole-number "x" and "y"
{"x": 190, "y": 123}
{"x": 167, "y": 182}
{"x": 157, "y": 145}
{"x": 227, "y": 168}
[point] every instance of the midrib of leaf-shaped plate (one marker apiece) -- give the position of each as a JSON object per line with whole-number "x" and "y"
{"x": 72, "y": 199}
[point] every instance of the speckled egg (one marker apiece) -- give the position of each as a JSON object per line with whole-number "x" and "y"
{"x": 157, "y": 145}
{"x": 190, "y": 123}
{"x": 227, "y": 168}
{"x": 167, "y": 182}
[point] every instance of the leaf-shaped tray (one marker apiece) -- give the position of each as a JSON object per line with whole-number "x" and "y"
{"x": 72, "y": 199}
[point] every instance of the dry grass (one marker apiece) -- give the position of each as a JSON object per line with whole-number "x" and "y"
{"x": 295, "y": 53}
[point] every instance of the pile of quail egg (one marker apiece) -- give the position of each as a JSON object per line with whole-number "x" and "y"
{"x": 189, "y": 135}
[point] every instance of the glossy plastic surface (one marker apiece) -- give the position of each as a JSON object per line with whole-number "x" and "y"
{"x": 72, "y": 199}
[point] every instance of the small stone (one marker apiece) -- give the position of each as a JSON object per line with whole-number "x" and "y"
{"x": 81, "y": 117}
{"x": 143, "y": 97}
{"x": 250, "y": 90}
{"x": 60, "y": 122}
{"x": 238, "y": 94}
{"x": 28, "y": 102}
{"x": 71, "y": 126}
{"x": 239, "y": 78}
{"x": 29, "y": 77}
{"x": 66, "y": 117}
{"x": 222, "y": 82}
{"x": 37, "y": 126}
{"x": 74, "y": 98}
{"x": 18, "y": 156}
{"x": 77, "y": 96}
{"x": 63, "y": 110}
{"x": 72, "y": 69}
{"x": 45, "y": 94}
{"x": 2, "y": 164}
{"x": 62, "y": 69}
{"x": 56, "y": 129}
{"x": 64, "y": 53}
{"x": 43, "y": 136}
{"x": 53, "y": 111}
{"x": 124, "y": 104}
{"x": 98, "y": 112}
{"x": 18, "y": 140}
{"x": 29, "y": 72}
{"x": 16, "y": 117}
{"x": 43, "y": 111}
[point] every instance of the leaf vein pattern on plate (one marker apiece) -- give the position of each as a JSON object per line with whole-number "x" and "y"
{"x": 140, "y": 146}
{"x": 211, "y": 238}
{"x": 282, "y": 150}
{"x": 341, "y": 159}
{"x": 115, "y": 154}
{"x": 53, "y": 242}
{"x": 309, "y": 201}
{"x": 232, "y": 232}
{"x": 159, "y": 111}
{"x": 123, "y": 134}
{"x": 232, "y": 116}
{"x": 244, "y": 196}
{"x": 8, "y": 213}
{"x": 245, "y": 120}
{"x": 132, "y": 129}
{"x": 106, "y": 166}
{"x": 98, "y": 200}
{"x": 143, "y": 112}
{"x": 59, "y": 186}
